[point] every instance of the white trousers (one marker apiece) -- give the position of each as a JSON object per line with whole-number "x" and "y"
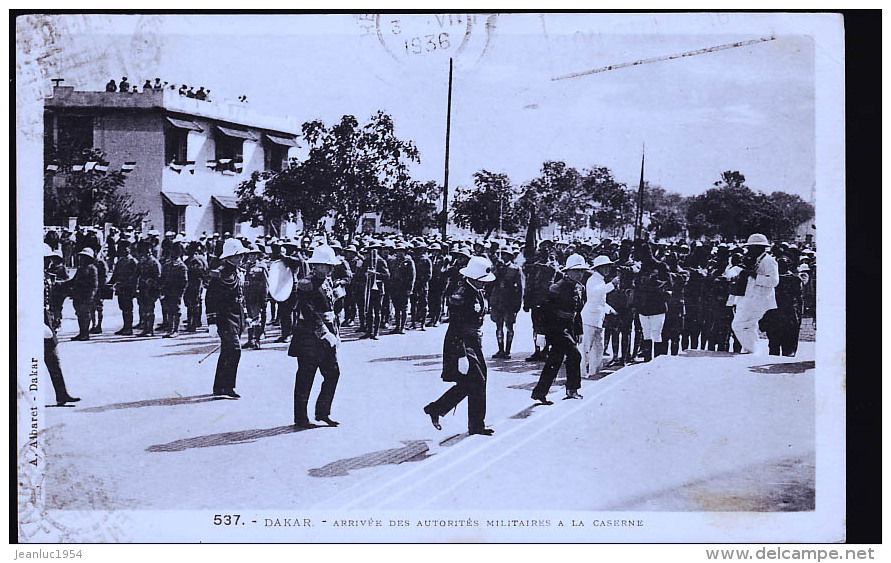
{"x": 745, "y": 322}
{"x": 592, "y": 350}
{"x": 652, "y": 326}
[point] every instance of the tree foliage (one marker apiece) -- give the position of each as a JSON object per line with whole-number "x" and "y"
{"x": 411, "y": 207}
{"x": 492, "y": 202}
{"x": 94, "y": 197}
{"x": 351, "y": 169}
{"x": 733, "y": 211}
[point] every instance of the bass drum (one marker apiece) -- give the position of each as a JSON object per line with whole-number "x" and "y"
{"x": 281, "y": 281}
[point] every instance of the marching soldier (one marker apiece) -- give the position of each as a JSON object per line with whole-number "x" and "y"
{"x": 341, "y": 277}
{"x": 462, "y": 354}
{"x": 225, "y": 316}
{"x": 441, "y": 265}
{"x": 402, "y": 280}
{"x": 539, "y": 277}
{"x": 83, "y": 288}
{"x": 57, "y": 297}
{"x": 174, "y": 278}
{"x": 562, "y": 326}
{"x": 316, "y": 338}
{"x": 51, "y": 285}
{"x": 423, "y": 275}
{"x": 196, "y": 263}
{"x": 124, "y": 279}
{"x": 98, "y": 308}
{"x": 507, "y": 298}
{"x": 376, "y": 275}
{"x": 256, "y": 288}
{"x": 350, "y": 303}
{"x": 299, "y": 270}
{"x": 147, "y": 286}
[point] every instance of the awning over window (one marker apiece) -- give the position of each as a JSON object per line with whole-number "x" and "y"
{"x": 225, "y": 201}
{"x": 185, "y": 124}
{"x": 283, "y": 141}
{"x": 238, "y": 133}
{"x": 180, "y": 198}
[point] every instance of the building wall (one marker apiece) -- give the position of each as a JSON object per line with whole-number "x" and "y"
{"x": 135, "y": 136}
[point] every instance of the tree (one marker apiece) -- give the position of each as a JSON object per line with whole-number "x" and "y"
{"x": 356, "y": 167}
{"x": 93, "y": 196}
{"x": 350, "y": 170}
{"x": 556, "y": 196}
{"x": 612, "y": 203}
{"x": 734, "y": 211}
{"x": 412, "y": 207}
{"x": 489, "y": 206}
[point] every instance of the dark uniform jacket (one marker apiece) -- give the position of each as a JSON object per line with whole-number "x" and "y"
{"x": 423, "y": 273}
{"x": 463, "y": 338}
{"x": 256, "y": 283}
{"x": 84, "y": 285}
{"x": 125, "y": 276}
{"x": 197, "y": 266}
{"x": 148, "y": 278}
{"x": 507, "y": 291}
{"x": 224, "y": 301}
{"x": 174, "y": 278}
{"x": 314, "y": 317}
{"x": 402, "y": 276}
{"x": 651, "y": 286}
{"x": 539, "y": 277}
{"x": 562, "y": 307}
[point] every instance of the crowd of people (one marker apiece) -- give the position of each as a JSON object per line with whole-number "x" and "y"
{"x": 184, "y": 90}
{"x": 631, "y": 300}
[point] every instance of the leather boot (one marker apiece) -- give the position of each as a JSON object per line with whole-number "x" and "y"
{"x": 647, "y": 350}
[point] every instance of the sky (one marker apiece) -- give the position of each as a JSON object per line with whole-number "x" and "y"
{"x": 748, "y": 108}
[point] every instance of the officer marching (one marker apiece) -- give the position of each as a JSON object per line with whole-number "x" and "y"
{"x": 463, "y": 349}
{"x": 316, "y": 336}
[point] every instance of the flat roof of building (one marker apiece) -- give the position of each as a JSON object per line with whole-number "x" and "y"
{"x": 170, "y": 100}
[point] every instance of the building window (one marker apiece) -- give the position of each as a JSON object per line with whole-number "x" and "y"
{"x": 275, "y": 156}
{"x": 75, "y": 131}
{"x": 174, "y": 217}
{"x": 224, "y": 221}
{"x": 228, "y": 152}
{"x": 176, "y": 141}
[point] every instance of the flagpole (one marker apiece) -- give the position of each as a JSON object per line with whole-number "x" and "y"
{"x": 638, "y": 227}
{"x": 445, "y": 183}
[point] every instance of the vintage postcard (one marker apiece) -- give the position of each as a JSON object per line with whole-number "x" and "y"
{"x": 430, "y": 277}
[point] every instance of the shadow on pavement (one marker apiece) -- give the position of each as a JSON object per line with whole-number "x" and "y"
{"x": 705, "y": 354}
{"x": 407, "y": 358}
{"x": 202, "y": 349}
{"x": 162, "y": 402}
{"x": 227, "y": 438}
{"x": 792, "y": 367}
{"x": 413, "y": 450}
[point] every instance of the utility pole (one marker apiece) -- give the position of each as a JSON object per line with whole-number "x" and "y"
{"x": 445, "y": 183}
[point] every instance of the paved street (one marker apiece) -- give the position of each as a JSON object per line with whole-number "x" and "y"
{"x": 700, "y": 431}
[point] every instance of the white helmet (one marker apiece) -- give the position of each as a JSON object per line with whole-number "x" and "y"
{"x": 323, "y": 254}
{"x": 478, "y": 268}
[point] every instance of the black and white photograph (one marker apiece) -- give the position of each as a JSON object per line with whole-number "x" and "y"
{"x": 430, "y": 277}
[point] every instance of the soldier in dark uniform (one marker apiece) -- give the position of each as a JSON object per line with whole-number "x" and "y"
{"x": 506, "y": 300}
{"x": 673, "y": 329}
{"x": 147, "y": 286}
{"x": 783, "y": 324}
{"x": 460, "y": 257}
{"x": 463, "y": 345}
{"x": 694, "y": 298}
{"x": 341, "y": 278}
{"x": 98, "y": 308}
{"x": 376, "y": 275}
{"x": 299, "y": 270}
{"x": 196, "y": 262}
{"x": 111, "y": 247}
{"x": 651, "y": 286}
{"x": 52, "y": 285}
{"x": 357, "y": 289}
{"x": 256, "y": 288}
{"x": 423, "y": 274}
{"x": 441, "y": 265}
{"x": 316, "y": 338}
{"x": 539, "y": 275}
{"x": 174, "y": 278}
{"x": 350, "y": 305}
{"x": 617, "y": 326}
{"x": 562, "y": 326}
{"x": 59, "y": 273}
{"x": 124, "y": 279}
{"x": 402, "y": 281}
{"x": 82, "y": 288}
{"x": 225, "y": 315}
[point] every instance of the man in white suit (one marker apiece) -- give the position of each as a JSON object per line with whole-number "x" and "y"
{"x": 760, "y": 297}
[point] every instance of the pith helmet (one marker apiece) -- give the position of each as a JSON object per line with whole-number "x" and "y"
{"x": 478, "y": 268}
